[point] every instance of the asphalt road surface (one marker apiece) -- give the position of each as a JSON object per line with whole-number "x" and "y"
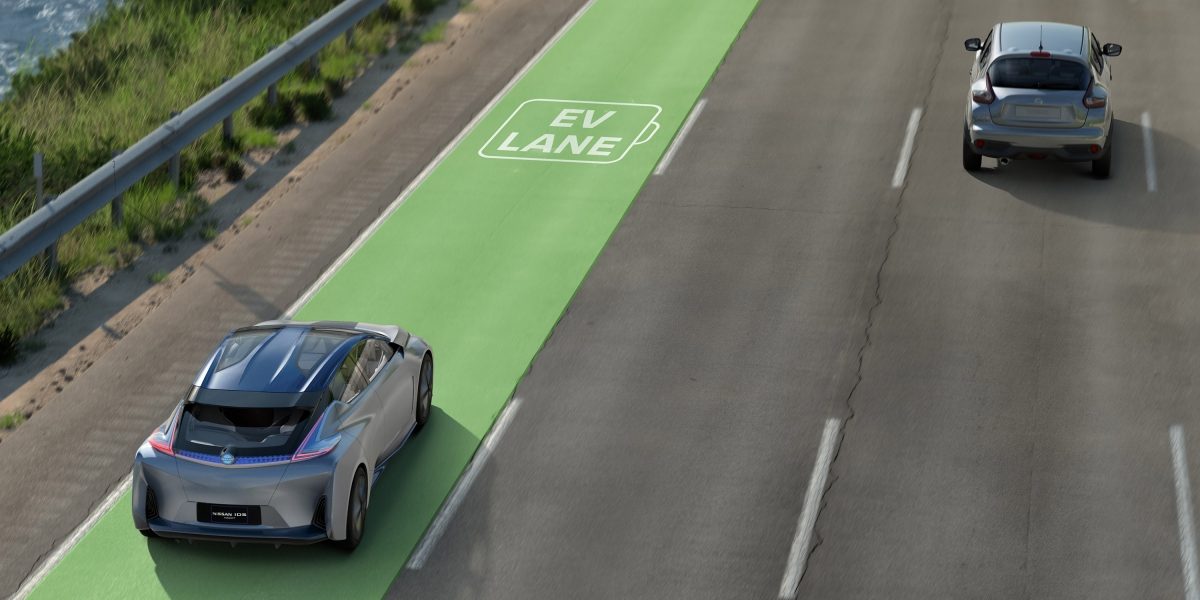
{"x": 1005, "y": 352}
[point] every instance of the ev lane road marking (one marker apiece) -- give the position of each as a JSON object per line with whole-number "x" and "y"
{"x": 1148, "y": 147}
{"x": 910, "y": 136}
{"x": 687, "y": 126}
{"x": 109, "y": 501}
{"x": 438, "y": 527}
{"x": 573, "y": 131}
{"x": 798, "y": 557}
{"x": 1183, "y": 507}
{"x": 55, "y": 557}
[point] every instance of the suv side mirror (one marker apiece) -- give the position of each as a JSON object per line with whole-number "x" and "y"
{"x": 974, "y": 44}
{"x": 1111, "y": 49}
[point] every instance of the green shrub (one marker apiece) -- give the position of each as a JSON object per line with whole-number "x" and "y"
{"x": 10, "y": 345}
{"x": 274, "y": 116}
{"x": 397, "y": 11}
{"x": 315, "y": 106}
{"x": 234, "y": 170}
{"x": 424, "y": 7}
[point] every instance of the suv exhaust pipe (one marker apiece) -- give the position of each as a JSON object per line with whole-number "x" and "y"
{"x": 1004, "y": 161}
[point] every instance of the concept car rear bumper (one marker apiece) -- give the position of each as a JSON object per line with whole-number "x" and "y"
{"x": 238, "y": 533}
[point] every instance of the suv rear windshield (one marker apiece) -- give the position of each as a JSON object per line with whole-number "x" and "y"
{"x": 1038, "y": 73}
{"x": 250, "y": 426}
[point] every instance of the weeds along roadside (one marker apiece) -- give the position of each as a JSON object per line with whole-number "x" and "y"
{"x": 119, "y": 80}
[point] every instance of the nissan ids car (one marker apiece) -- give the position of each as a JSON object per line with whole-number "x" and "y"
{"x": 283, "y": 434}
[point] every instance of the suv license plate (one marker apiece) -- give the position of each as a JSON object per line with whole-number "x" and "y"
{"x": 1039, "y": 112}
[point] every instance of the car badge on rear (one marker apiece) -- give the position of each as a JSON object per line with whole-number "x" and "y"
{"x": 1037, "y": 101}
{"x": 227, "y": 457}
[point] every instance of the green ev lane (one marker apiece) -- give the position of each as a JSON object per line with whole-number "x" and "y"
{"x": 481, "y": 260}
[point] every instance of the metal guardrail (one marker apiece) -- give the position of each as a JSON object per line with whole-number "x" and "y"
{"x": 44, "y": 227}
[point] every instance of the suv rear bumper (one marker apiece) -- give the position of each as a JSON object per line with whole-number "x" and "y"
{"x": 1000, "y": 141}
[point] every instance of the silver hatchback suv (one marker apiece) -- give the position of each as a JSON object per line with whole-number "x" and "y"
{"x": 1039, "y": 90}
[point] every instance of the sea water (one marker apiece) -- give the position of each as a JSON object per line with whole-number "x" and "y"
{"x": 33, "y": 28}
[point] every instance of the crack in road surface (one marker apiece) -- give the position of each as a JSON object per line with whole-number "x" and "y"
{"x": 878, "y": 292}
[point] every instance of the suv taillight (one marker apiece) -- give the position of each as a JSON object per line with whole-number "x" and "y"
{"x": 1091, "y": 101}
{"x": 985, "y": 96}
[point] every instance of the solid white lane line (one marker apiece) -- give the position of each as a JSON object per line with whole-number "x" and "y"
{"x": 683, "y": 131}
{"x": 1183, "y": 508}
{"x": 798, "y": 557}
{"x": 62, "y": 549}
{"x": 1148, "y": 146}
{"x": 52, "y": 561}
{"x": 437, "y": 160}
{"x": 456, "y": 497}
{"x": 910, "y": 137}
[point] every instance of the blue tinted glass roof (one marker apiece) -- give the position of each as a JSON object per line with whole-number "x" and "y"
{"x": 279, "y": 359}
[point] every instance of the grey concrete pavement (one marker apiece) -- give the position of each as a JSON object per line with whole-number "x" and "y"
{"x": 62, "y": 462}
{"x": 670, "y": 424}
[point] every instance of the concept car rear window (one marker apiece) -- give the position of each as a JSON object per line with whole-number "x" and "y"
{"x": 247, "y": 423}
{"x": 245, "y": 431}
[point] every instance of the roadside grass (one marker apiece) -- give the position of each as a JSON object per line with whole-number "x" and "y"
{"x": 434, "y": 34}
{"x": 120, "y": 79}
{"x": 208, "y": 230}
{"x": 257, "y": 138}
{"x": 11, "y": 420}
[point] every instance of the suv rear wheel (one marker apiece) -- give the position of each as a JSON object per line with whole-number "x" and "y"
{"x": 971, "y": 161}
{"x": 1103, "y": 165}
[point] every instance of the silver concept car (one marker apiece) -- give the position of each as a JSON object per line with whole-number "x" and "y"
{"x": 283, "y": 434}
{"x": 1039, "y": 90}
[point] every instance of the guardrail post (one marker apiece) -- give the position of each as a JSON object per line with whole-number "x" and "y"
{"x": 273, "y": 88}
{"x": 227, "y": 125}
{"x": 173, "y": 165}
{"x": 42, "y": 200}
{"x": 118, "y": 203}
{"x": 52, "y": 249}
{"x": 37, "y": 176}
{"x": 314, "y": 65}
{"x": 350, "y": 37}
